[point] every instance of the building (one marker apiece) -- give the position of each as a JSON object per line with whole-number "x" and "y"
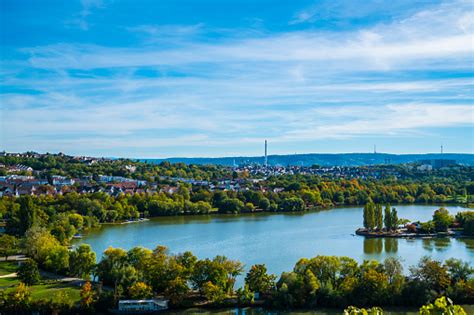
{"x": 438, "y": 163}
{"x": 142, "y": 306}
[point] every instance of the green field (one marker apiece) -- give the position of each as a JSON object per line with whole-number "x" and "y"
{"x": 44, "y": 291}
{"x": 7, "y": 267}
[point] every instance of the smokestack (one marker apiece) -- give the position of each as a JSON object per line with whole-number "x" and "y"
{"x": 266, "y": 157}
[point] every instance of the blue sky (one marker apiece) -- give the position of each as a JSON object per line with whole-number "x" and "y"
{"x": 216, "y": 78}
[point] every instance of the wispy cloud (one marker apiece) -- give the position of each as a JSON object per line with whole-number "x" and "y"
{"x": 80, "y": 19}
{"x": 178, "y": 88}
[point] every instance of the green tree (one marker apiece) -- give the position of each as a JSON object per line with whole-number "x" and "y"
{"x": 388, "y": 218}
{"x": 442, "y": 220}
{"x": 82, "y": 261}
{"x": 208, "y": 271}
{"x": 8, "y": 245}
{"x": 26, "y": 214}
{"x": 378, "y": 217}
{"x": 369, "y": 215}
{"x": 39, "y": 243}
{"x": 431, "y": 273}
{"x": 28, "y": 272}
{"x": 458, "y": 269}
{"x": 57, "y": 259}
{"x": 140, "y": 290}
{"x": 394, "y": 219}
{"x": 177, "y": 290}
{"x": 258, "y": 280}
{"x": 244, "y": 295}
{"x": 212, "y": 292}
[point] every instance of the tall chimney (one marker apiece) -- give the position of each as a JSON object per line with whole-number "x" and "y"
{"x": 266, "y": 157}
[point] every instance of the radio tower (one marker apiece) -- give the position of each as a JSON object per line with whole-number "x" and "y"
{"x": 266, "y": 157}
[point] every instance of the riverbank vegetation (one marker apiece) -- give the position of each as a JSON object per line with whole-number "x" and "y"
{"x": 322, "y": 281}
{"x": 443, "y": 223}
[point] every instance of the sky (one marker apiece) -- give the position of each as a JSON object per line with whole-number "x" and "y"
{"x": 218, "y": 77}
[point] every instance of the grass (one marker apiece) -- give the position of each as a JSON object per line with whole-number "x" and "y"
{"x": 45, "y": 290}
{"x": 8, "y": 282}
{"x": 7, "y": 267}
{"x": 48, "y": 291}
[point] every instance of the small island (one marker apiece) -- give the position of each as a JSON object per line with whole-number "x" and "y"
{"x": 378, "y": 223}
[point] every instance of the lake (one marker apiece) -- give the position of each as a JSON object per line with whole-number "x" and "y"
{"x": 280, "y": 240}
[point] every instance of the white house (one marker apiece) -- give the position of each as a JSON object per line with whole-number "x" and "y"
{"x": 138, "y": 306}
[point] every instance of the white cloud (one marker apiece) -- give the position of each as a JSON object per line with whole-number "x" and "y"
{"x": 293, "y": 86}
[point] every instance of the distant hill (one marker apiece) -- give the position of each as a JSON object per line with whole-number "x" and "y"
{"x": 338, "y": 159}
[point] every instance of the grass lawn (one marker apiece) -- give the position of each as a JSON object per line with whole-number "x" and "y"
{"x": 7, "y": 267}
{"x": 8, "y": 282}
{"x": 48, "y": 291}
{"x": 43, "y": 291}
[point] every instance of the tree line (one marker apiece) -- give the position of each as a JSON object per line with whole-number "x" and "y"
{"x": 322, "y": 281}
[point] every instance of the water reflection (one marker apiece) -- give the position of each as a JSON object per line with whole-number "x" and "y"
{"x": 391, "y": 245}
{"x": 436, "y": 244}
{"x": 468, "y": 242}
{"x": 379, "y": 245}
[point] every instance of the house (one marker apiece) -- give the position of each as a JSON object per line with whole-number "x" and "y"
{"x": 7, "y": 191}
{"x": 19, "y": 168}
{"x": 142, "y": 306}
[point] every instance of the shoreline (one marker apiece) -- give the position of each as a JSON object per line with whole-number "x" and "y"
{"x": 397, "y": 234}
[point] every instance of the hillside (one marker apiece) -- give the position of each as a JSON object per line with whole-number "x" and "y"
{"x": 338, "y": 159}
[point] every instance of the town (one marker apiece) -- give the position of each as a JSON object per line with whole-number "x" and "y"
{"x": 18, "y": 179}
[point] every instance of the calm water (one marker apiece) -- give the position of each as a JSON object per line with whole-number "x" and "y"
{"x": 279, "y": 240}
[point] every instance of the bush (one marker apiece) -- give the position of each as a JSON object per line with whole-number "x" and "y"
{"x": 442, "y": 306}
{"x": 28, "y": 272}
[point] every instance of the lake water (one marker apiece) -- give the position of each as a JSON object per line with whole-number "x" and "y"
{"x": 280, "y": 240}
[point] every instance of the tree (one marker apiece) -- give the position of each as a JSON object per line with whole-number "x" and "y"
{"x": 212, "y": 292}
{"x": 8, "y": 245}
{"x": 369, "y": 215}
{"x": 258, "y": 280}
{"x": 432, "y": 273}
{"x": 388, "y": 218}
{"x": 87, "y": 296}
{"x": 292, "y": 204}
{"x": 82, "y": 261}
{"x": 140, "y": 290}
{"x": 28, "y": 272}
{"x": 39, "y": 243}
{"x": 442, "y": 306}
{"x": 458, "y": 269}
{"x": 442, "y": 220}
{"x": 20, "y": 298}
{"x": 233, "y": 269}
{"x": 208, "y": 271}
{"x": 244, "y": 295}
{"x": 378, "y": 217}
{"x": 57, "y": 259}
{"x": 26, "y": 214}
{"x": 394, "y": 219}
{"x": 177, "y": 290}
{"x": 393, "y": 268}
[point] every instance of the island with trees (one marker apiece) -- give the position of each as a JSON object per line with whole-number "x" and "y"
{"x": 386, "y": 223}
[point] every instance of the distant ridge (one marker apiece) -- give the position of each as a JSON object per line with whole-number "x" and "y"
{"x": 336, "y": 159}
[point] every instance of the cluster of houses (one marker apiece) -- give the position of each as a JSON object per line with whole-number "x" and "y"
{"x": 18, "y": 185}
{"x": 346, "y": 172}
